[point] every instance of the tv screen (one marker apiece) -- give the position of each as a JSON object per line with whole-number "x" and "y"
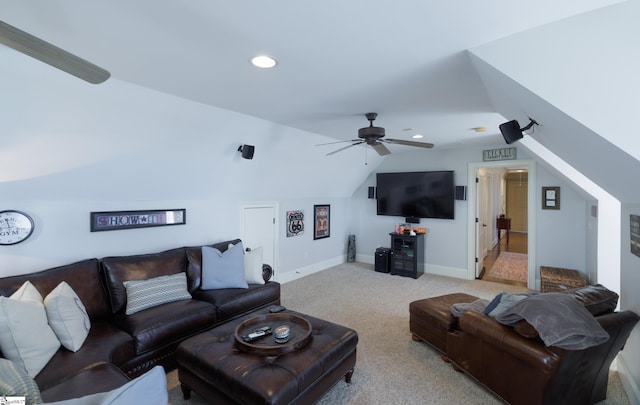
{"x": 416, "y": 194}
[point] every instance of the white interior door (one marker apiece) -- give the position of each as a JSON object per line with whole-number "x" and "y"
{"x": 259, "y": 225}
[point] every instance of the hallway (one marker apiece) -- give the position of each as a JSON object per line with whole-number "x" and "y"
{"x": 517, "y": 243}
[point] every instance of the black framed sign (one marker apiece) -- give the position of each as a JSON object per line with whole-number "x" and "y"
{"x": 321, "y": 221}
{"x": 550, "y": 198}
{"x": 114, "y": 220}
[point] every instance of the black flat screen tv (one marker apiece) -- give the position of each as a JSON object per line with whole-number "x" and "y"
{"x": 416, "y": 194}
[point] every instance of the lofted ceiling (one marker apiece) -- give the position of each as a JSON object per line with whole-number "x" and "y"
{"x": 337, "y": 60}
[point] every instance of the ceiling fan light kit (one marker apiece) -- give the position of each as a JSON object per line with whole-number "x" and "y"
{"x": 374, "y": 137}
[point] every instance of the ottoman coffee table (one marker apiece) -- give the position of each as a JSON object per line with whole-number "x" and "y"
{"x": 224, "y": 369}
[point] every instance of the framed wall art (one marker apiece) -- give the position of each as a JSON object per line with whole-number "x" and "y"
{"x": 295, "y": 223}
{"x": 115, "y": 220}
{"x": 550, "y": 198}
{"x": 321, "y": 221}
{"x": 635, "y": 234}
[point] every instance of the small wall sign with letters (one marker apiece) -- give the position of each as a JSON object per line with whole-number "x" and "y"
{"x": 109, "y": 221}
{"x": 491, "y": 155}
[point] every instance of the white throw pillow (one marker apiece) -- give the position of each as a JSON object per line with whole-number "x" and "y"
{"x": 25, "y": 335}
{"x": 67, "y": 316}
{"x": 144, "y": 294}
{"x": 253, "y": 266}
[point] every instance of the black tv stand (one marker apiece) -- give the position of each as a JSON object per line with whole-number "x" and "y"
{"x": 407, "y": 255}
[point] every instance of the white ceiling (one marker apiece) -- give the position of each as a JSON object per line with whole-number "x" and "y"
{"x": 337, "y": 59}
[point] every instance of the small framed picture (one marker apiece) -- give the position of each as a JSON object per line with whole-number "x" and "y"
{"x": 550, "y": 198}
{"x": 321, "y": 221}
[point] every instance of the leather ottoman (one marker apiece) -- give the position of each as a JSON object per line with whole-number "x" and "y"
{"x": 211, "y": 365}
{"x": 430, "y": 319}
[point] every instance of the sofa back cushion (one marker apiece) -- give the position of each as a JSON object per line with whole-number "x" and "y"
{"x": 117, "y": 270}
{"x": 194, "y": 262}
{"x": 83, "y": 277}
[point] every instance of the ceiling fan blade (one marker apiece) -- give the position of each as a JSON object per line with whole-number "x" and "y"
{"x": 51, "y": 54}
{"x": 346, "y": 147}
{"x": 381, "y": 149}
{"x": 409, "y": 143}
{"x": 331, "y": 143}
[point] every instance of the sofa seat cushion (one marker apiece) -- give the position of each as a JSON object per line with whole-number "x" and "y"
{"x": 104, "y": 344}
{"x": 95, "y": 378}
{"x": 231, "y": 302}
{"x": 167, "y": 323}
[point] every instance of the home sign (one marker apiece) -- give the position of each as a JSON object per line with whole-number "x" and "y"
{"x": 491, "y": 155}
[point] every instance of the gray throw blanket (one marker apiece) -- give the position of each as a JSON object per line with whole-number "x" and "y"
{"x": 560, "y": 320}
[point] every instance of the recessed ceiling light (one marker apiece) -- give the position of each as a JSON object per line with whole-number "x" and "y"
{"x": 417, "y": 136}
{"x": 263, "y": 61}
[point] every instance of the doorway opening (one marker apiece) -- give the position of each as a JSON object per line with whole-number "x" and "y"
{"x": 501, "y": 230}
{"x": 506, "y": 259}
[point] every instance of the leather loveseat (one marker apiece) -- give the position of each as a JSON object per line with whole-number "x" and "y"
{"x": 120, "y": 347}
{"x": 512, "y": 361}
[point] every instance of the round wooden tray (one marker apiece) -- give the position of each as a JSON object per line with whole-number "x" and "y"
{"x": 299, "y": 332}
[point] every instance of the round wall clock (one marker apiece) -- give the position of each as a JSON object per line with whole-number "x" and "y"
{"x": 15, "y": 226}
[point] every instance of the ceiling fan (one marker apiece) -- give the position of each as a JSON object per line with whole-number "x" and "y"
{"x": 374, "y": 137}
{"x": 51, "y": 54}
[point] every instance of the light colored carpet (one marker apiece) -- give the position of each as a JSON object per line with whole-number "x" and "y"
{"x": 391, "y": 368}
{"x": 510, "y": 266}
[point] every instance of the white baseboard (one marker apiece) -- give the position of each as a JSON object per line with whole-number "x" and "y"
{"x": 630, "y": 386}
{"x": 312, "y": 268}
{"x": 428, "y": 268}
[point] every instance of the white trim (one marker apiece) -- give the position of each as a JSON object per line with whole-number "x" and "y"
{"x": 531, "y": 212}
{"x": 313, "y": 268}
{"x": 629, "y": 384}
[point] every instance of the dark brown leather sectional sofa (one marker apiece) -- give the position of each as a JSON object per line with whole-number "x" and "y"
{"x": 513, "y": 362}
{"x": 120, "y": 347}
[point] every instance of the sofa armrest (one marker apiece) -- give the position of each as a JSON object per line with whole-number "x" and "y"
{"x": 267, "y": 272}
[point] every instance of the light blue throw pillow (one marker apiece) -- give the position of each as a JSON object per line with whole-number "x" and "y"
{"x": 223, "y": 269}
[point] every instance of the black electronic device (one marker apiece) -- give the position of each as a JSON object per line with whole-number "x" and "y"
{"x": 416, "y": 194}
{"x": 511, "y": 131}
{"x": 247, "y": 151}
{"x": 461, "y": 193}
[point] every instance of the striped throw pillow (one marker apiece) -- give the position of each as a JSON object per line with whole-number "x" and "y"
{"x": 15, "y": 382}
{"x": 144, "y": 294}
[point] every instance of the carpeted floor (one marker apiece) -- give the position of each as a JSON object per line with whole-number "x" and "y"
{"x": 391, "y": 367}
{"x": 510, "y": 266}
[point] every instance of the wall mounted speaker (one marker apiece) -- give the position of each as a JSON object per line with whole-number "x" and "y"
{"x": 511, "y": 131}
{"x": 247, "y": 151}
{"x": 461, "y": 193}
{"x": 372, "y": 192}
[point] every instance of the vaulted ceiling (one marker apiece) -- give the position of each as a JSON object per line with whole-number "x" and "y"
{"x": 337, "y": 60}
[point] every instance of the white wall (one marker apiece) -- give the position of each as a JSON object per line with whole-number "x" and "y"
{"x": 446, "y": 241}
{"x": 70, "y": 148}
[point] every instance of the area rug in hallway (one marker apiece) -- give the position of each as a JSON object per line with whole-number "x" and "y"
{"x": 510, "y": 266}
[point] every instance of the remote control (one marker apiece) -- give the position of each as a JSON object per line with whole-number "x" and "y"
{"x": 277, "y": 308}
{"x": 257, "y": 334}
